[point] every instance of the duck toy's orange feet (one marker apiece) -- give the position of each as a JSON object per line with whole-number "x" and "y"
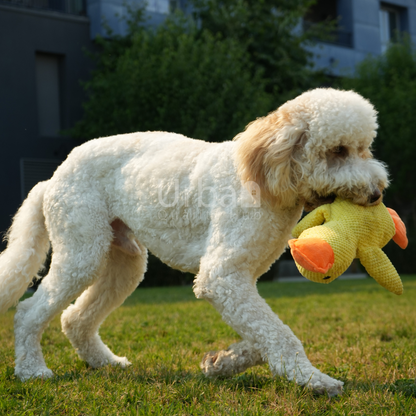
{"x": 313, "y": 254}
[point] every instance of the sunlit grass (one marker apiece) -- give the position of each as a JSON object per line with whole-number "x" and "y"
{"x": 355, "y": 331}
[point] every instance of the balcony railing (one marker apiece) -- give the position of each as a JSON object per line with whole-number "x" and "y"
{"x": 74, "y": 7}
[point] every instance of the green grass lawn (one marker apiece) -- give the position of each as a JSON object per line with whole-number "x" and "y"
{"x": 355, "y": 331}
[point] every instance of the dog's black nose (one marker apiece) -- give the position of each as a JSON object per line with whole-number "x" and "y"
{"x": 376, "y": 195}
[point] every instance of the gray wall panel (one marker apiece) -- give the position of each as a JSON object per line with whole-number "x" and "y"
{"x": 22, "y": 34}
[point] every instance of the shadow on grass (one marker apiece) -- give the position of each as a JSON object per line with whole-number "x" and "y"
{"x": 248, "y": 382}
{"x": 406, "y": 387}
{"x": 191, "y": 381}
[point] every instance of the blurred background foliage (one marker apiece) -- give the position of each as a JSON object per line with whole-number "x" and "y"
{"x": 389, "y": 82}
{"x": 205, "y": 75}
{"x": 208, "y": 74}
{"x": 173, "y": 79}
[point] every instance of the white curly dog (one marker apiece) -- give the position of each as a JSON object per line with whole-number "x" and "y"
{"x": 224, "y": 211}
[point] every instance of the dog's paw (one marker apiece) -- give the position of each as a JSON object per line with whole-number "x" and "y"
{"x": 216, "y": 364}
{"x": 98, "y": 360}
{"x": 26, "y": 374}
{"x": 121, "y": 361}
{"x": 321, "y": 383}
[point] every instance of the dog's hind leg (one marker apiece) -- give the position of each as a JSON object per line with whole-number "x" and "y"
{"x": 81, "y": 321}
{"x": 236, "y": 359}
{"x": 74, "y": 267}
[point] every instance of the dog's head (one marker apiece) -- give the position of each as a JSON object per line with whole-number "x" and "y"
{"x": 314, "y": 148}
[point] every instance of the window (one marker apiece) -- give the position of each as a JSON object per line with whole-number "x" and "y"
{"x": 390, "y": 26}
{"x": 321, "y": 11}
{"x": 48, "y": 94}
{"x": 332, "y": 11}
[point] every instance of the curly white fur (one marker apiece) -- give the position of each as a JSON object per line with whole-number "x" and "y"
{"x": 224, "y": 211}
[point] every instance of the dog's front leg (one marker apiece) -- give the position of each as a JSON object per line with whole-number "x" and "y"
{"x": 235, "y": 296}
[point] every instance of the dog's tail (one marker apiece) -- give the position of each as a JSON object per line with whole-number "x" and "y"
{"x": 26, "y": 250}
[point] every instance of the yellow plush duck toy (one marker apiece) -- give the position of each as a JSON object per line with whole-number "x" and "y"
{"x": 330, "y": 237}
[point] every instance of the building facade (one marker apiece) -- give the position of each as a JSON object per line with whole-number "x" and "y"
{"x": 42, "y": 63}
{"x": 364, "y": 27}
{"x": 112, "y": 13}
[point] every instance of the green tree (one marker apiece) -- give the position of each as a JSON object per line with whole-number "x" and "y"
{"x": 272, "y": 33}
{"x": 389, "y": 82}
{"x": 171, "y": 78}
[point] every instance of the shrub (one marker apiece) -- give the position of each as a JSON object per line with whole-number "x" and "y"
{"x": 272, "y": 33}
{"x": 389, "y": 82}
{"x": 172, "y": 79}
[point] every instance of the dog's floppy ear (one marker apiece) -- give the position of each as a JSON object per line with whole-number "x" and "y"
{"x": 265, "y": 155}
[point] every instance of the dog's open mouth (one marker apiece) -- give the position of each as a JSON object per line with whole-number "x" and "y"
{"x": 317, "y": 201}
